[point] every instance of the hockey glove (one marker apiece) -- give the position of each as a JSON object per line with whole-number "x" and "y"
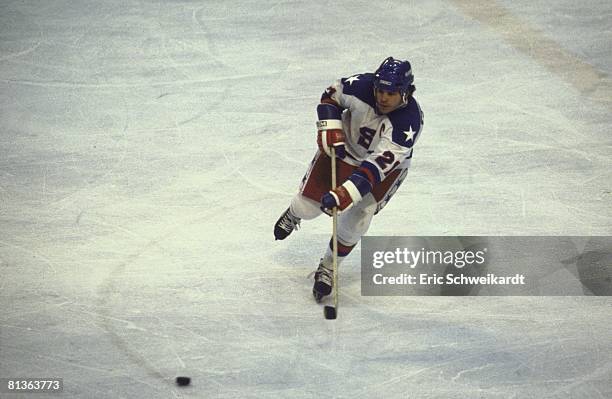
{"x": 338, "y": 197}
{"x": 348, "y": 194}
{"x": 329, "y": 130}
{"x": 332, "y": 138}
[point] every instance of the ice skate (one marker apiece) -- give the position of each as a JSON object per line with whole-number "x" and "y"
{"x": 285, "y": 225}
{"x": 323, "y": 282}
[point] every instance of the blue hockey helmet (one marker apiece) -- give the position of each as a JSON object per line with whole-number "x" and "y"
{"x": 394, "y": 75}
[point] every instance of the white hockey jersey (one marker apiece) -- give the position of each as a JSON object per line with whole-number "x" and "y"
{"x": 379, "y": 143}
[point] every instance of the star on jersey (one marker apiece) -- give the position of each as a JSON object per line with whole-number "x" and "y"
{"x": 410, "y": 135}
{"x": 352, "y": 79}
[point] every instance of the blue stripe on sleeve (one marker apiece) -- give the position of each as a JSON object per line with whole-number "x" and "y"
{"x": 373, "y": 169}
{"x": 328, "y": 111}
{"x": 361, "y": 181}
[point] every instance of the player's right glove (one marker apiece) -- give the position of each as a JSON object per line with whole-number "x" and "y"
{"x": 339, "y": 197}
{"x": 349, "y": 193}
{"x": 330, "y": 132}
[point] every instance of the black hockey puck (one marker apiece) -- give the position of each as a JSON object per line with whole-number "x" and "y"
{"x": 183, "y": 381}
{"x": 330, "y": 312}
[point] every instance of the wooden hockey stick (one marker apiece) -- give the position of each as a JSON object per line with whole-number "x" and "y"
{"x": 331, "y": 312}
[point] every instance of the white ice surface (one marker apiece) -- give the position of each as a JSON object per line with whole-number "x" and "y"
{"x": 147, "y": 148}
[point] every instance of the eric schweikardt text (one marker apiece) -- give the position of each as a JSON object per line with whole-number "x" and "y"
{"x": 416, "y": 265}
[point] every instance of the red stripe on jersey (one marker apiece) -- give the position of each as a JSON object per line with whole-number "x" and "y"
{"x": 368, "y": 174}
{"x": 330, "y": 101}
{"x": 318, "y": 178}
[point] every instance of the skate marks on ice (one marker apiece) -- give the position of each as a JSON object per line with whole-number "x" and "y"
{"x": 116, "y": 291}
{"x": 22, "y": 53}
{"x": 110, "y": 288}
{"x": 587, "y": 80}
{"x": 476, "y": 350}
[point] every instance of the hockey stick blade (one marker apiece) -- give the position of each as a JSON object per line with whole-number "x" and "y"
{"x": 330, "y": 312}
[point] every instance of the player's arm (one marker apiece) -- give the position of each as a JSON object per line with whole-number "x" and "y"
{"x": 329, "y": 124}
{"x": 349, "y": 193}
{"x": 362, "y": 181}
{"x": 394, "y": 148}
{"x": 329, "y": 130}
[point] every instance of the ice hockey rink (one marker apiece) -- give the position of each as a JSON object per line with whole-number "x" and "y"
{"x": 148, "y": 147}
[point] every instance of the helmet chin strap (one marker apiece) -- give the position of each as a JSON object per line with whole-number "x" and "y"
{"x": 401, "y": 105}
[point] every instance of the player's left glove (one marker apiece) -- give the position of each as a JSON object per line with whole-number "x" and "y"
{"x": 338, "y": 197}
{"x": 348, "y": 194}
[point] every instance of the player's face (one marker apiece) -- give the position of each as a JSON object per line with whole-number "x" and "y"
{"x": 387, "y": 101}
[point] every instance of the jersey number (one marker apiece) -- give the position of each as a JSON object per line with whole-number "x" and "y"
{"x": 385, "y": 161}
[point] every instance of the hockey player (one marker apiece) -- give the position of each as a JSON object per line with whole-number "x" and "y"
{"x": 373, "y": 122}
